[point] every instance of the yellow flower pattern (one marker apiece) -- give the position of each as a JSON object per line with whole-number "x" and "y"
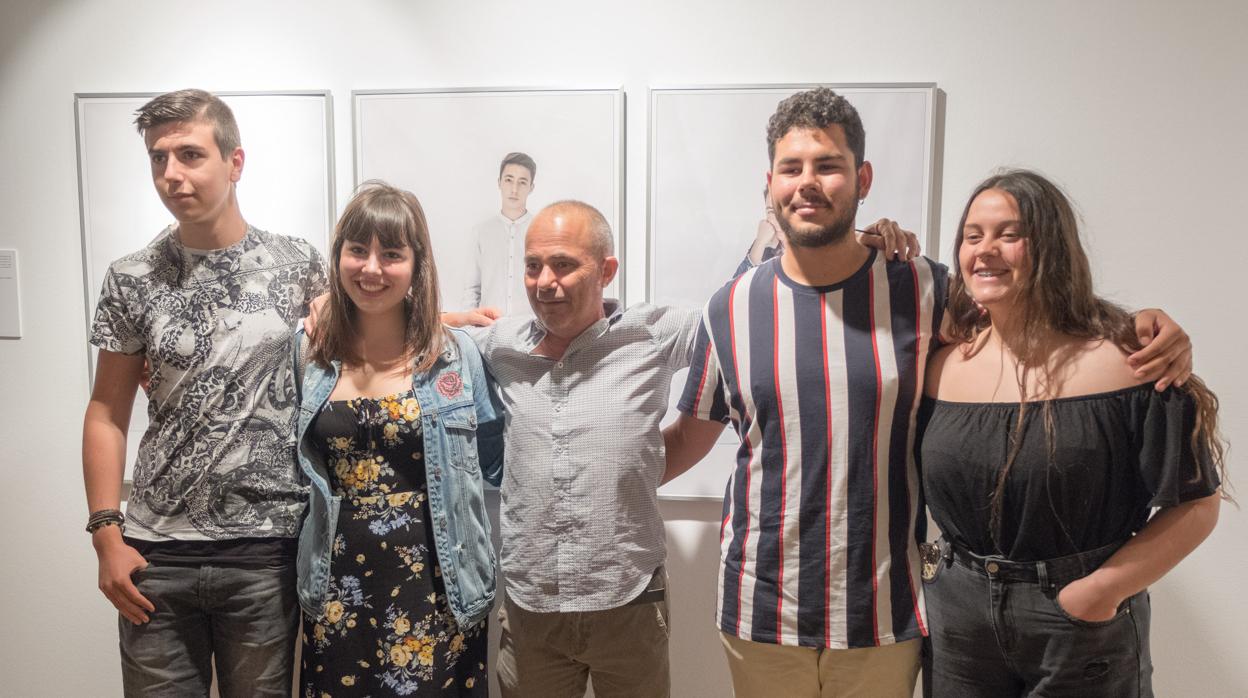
{"x": 385, "y": 627}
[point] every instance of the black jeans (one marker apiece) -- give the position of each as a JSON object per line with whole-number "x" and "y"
{"x": 996, "y": 634}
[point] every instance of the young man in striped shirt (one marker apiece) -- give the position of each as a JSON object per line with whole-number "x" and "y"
{"x": 817, "y": 357}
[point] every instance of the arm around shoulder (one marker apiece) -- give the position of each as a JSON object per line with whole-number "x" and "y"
{"x": 686, "y": 442}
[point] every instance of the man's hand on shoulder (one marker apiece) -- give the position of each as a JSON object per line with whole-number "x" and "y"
{"x": 888, "y": 237}
{"x": 1166, "y": 357}
{"x": 476, "y": 317}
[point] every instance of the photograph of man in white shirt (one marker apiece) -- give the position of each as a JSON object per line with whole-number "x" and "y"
{"x": 496, "y": 276}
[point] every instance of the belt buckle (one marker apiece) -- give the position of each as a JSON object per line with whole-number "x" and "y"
{"x": 929, "y": 555}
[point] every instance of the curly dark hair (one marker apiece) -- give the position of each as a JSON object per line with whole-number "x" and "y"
{"x": 818, "y": 109}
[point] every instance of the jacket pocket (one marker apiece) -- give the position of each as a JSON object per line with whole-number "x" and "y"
{"x": 460, "y": 423}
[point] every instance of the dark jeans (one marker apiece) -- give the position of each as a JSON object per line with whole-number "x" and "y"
{"x": 245, "y": 617}
{"x": 995, "y": 636}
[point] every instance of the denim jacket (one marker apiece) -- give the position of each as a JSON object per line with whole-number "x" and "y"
{"x": 462, "y": 425}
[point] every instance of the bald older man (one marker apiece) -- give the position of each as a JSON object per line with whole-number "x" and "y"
{"x": 585, "y": 384}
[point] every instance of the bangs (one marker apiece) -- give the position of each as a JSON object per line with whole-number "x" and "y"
{"x": 386, "y": 219}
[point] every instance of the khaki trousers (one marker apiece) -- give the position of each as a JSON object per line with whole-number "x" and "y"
{"x": 764, "y": 670}
{"x": 551, "y": 655}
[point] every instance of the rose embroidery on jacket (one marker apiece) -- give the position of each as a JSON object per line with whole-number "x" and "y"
{"x": 450, "y": 385}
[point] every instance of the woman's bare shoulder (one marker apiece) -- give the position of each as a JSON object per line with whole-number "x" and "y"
{"x": 944, "y": 366}
{"x": 1099, "y": 366}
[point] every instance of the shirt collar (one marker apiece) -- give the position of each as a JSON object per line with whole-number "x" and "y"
{"x": 528, "y": 215}
{"x": 612, "y": 313}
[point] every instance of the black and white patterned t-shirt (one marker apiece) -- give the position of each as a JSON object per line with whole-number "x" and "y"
{"x": 217, "y": 460}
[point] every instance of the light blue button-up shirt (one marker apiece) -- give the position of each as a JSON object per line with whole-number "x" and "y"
{"x": 580, "y": 519}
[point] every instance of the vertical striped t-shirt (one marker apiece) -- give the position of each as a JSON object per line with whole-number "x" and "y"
{"x": 817, "y": 542}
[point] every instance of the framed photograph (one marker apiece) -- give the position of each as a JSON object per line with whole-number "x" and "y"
{"x": 482, "y": 161}
{"x": 287, "y": 184}
{"x": 706, "y": 189}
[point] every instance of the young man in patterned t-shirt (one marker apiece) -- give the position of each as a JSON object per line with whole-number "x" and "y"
{"x": 201, "y": 566}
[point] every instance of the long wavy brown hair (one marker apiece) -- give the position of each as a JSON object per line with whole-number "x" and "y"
{"x": 1055, "y": 297}
{"x": 395, "y": 218}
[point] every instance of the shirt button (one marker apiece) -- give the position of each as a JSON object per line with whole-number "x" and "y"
{"x": 992, "y": 567}
{"x": 559, "y": 365}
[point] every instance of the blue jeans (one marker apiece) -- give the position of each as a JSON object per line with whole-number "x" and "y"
{"x": 245, "y": 617}
{"x": 996, "y": 633}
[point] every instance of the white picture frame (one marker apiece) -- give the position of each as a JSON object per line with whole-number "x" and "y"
{"x": 287, "y": 185}
{"x": 446, "y": 146}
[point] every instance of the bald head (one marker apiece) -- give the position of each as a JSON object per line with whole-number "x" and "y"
{"x": 568, "y": 261}
{"x": 594, "y": 226}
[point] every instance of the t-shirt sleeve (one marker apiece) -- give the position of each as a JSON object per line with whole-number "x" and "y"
{"x": 317, "y": 283}
{"x": 1172, "y": 468}
{"x": 114, "y": 327}
{"x": 940, "y": 300}
{"x": 705, "y": 395}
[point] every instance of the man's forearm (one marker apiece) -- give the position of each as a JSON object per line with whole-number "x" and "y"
{"x": 686, "y": 442}
{"x": 103, "y": 457}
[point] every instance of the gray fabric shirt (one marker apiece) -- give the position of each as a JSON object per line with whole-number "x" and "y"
{"x": 217, "y": 460}
{"x": 580, "y": 517}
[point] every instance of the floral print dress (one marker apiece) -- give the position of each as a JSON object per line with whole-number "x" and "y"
{"x": 386, "y": 628}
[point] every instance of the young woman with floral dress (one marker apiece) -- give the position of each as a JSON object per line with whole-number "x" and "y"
{"x": 396, "y": 426}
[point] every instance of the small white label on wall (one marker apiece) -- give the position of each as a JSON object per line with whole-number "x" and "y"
{"x": 10, "y": 305}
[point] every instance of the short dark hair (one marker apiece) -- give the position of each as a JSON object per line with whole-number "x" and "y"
{"x": 817, "y": 109}
{"x": 191, "y": 105}
{"x": 520, "y": 159}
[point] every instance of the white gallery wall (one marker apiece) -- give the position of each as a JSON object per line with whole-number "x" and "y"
{"x": 1137, "y": 107}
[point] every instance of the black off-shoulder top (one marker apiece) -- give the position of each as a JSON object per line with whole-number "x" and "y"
{"x": 1116, "y": 456}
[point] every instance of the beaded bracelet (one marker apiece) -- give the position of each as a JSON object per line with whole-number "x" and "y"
{"x": 105, "y": 517}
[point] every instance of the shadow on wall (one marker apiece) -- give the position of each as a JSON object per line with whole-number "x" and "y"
{"x": 21, "y": 19}
{"x": 699, "y": 669}
{"x": 1171, "y": 614}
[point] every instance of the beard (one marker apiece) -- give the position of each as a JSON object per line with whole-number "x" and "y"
{"x": 821, "y": 236}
